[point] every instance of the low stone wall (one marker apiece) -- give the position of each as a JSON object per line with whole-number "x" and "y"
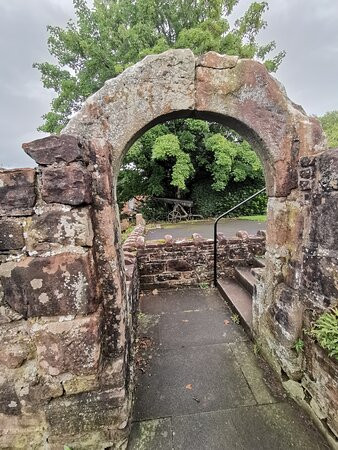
{"x": 133, "y": 294}
{"x": 132, "y": 277}
{"x": 175, "y": 263}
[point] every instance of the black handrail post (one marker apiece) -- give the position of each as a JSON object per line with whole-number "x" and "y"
{"x": 215, "y": 228}
{"x": 215, "y": 253}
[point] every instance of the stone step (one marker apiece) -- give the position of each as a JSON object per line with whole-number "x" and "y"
{"x": 259, "y": 261}
{"x": 239, "y": 300}
{"x": 246, "y": 278}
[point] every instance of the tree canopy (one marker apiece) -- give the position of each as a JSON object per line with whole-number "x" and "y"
{"x": 103, "y": 40}
{"x": 170, "y": 158}
{"x": 329, "y": 123}
{"x": 114, "y": 34}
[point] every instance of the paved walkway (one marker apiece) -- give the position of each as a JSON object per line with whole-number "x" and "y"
{"x": 206, "y": 228}
{"x": 200, "y": 386}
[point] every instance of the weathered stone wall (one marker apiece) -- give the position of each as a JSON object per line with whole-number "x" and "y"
{"x": 57, "y": 384}
{"x": 176, "y": 263}
{"x": 305, "y": 285}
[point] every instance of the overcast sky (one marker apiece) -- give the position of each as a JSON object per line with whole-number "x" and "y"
{"x": 306, "y": 29}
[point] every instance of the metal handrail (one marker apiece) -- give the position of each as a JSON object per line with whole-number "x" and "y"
{"x": 215, "y": 229}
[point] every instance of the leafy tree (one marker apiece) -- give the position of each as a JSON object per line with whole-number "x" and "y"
{"x": 105, "y": 39}
{"x": 329, "y": 123}
{"x": 169, "y": 159}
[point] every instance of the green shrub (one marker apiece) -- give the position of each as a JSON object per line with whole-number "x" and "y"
{"x": 210, "y": 203}
{"x": 154, "y": 211}
{"x": 325, "y": 330}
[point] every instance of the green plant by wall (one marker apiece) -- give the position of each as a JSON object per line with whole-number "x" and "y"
{"x": 299, "y": 346}
{"x": 257, "y": 348}
{"x": 235, "y": 318}
{"x": 329, "y": 123}
{"x": 325, "y": 331}
{"x": 126, "y": 233}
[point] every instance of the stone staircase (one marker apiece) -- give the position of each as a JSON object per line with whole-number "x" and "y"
{"x": 238, "y": 292}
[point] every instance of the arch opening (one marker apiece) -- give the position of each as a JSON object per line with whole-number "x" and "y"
{"x": 179, "y": 206}
{"x": 246, "y": 133}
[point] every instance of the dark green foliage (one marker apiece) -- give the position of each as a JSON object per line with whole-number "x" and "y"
{"x": 170, "y": 158}
{"x": 298, "y": 346}
{"x": 155, "y": 211}
{"x": 210, "y": 203}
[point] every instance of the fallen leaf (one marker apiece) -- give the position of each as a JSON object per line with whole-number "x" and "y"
{"x": 185, "y": 321}
{"x": 226, "y": 322}
{"x": 155, "y": 292}
{"x": 189, "y": 386}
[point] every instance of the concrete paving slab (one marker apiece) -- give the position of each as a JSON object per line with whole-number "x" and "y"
{"x": 181, "y": 300}
{"x": 238, "y": 299}
{"x": 148, "y": 325}
{"x": 202, "y": 388}
{"x": 151, "y": 435}
{"x": 191, "y": 380}
{"x": 265, "y": 427}
{"x": 263, "y": 383}
{"x": 194, "y": 328}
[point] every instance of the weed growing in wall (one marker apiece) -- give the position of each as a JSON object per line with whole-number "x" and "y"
{"x": 325, "y": 330}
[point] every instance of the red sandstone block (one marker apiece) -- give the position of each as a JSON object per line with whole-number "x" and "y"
{"x": 152, "y": 267}
{"x": 70, "y": 185}
{"x": 53, "y": 149}
{"x": 85, "y": 412}
{"x": 11, "y": 234}
{"x": 69, "y": 346}
{"x": 57, "y": 285}
{"x": 55, "y": 226}
{"x": 150, "y": 246}
{"x": 16, "y": 346}
{"x": 17, "y": 192}
{"x": 178, "y": 265}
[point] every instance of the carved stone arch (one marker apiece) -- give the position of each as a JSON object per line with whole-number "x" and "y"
{"x": 236, "y": 92}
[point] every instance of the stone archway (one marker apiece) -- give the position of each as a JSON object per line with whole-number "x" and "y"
{"x": 238, "y": 93}
{"x": 75, "y": 337}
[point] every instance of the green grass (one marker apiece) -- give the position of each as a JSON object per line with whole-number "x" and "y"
{"x": 261, "y": 218}
{"x": 126, "y": 233}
